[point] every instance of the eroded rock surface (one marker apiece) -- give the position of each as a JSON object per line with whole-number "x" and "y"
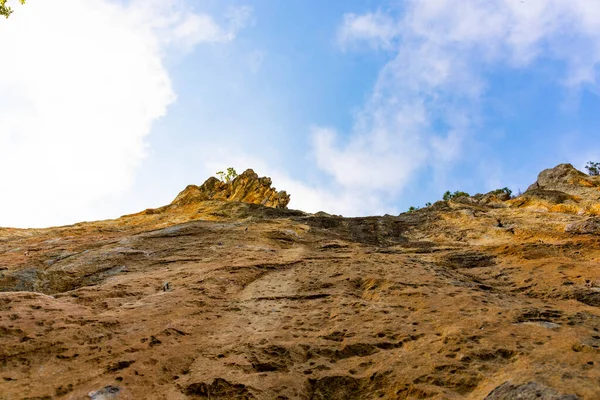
{"x": 589, "y": 226}
{"x": 246, "y": 188}
{"x": 527, "y": 391}
{"x": 231, "y": 300}
{"x": 565, "y": 178}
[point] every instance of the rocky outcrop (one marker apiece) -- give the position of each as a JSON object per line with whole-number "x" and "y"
{"x": 551, "y": 196}
{"x": 562, "y": 189}
{"x": 495, "y": 198}
{"x": 565, "y": 178}
{"x": 245, "y": 188}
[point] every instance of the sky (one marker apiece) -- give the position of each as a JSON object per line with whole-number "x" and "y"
{"x": 109, "y": 107}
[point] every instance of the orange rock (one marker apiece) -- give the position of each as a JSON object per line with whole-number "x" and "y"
{"x": 246, "y": 187}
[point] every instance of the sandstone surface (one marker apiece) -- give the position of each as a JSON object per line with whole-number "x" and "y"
{"x": 216, "y": 296}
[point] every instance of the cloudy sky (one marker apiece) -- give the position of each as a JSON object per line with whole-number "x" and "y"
{"x": 108, "y": 107}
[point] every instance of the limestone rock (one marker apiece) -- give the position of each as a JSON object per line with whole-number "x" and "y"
{"x": 565, "y": 178}
{"x": 494, "y": 199}
{"x": 552, "y": 196}
{"x": 106, "y": 393}
{"x": 590, "y": 226}
{"x": 246, "y": 188}
{"x": 527, "y": 391}
{"x": 218, "y": 389}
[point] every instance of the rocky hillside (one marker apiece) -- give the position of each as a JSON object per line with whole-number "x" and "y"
{"x": 226, "y": 294}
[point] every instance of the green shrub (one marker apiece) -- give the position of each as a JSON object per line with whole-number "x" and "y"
{"x": 506, "y": 190}
{"x": 229, "y": 176}
{"x": 451, "y": 196}
{"x": 5, "y": 10}
{"x": 593, "y": 168}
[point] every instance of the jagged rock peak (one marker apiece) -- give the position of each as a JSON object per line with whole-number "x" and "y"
{"x": 246, "y": 187}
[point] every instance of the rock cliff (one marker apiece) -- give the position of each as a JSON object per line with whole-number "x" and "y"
{"x": 488, "y": 297}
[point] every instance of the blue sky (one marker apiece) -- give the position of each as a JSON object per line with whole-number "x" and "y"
{"x": 354, "y": 107}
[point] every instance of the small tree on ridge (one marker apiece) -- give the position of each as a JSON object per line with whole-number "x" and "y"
{"x": 593, "y": 168}
{"x": 229, "y": 176}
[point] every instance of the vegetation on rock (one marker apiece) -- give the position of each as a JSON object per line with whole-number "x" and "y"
{"x": 230, "y": 175}
{"x": 5, "y": 10}
{"x": 246, "y": 187}
{"x": 504, "y": 191}
{"x": 593, "y": 168}
{"x": 451, "y": 196}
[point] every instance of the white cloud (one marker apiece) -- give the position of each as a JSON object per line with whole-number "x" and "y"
{"x": 367, "y": 161}
{"x": 82, "y": 83}
{"x": 426, "y": 101}
{"x": 348, "y": 203}
{"x": 174, "y": 23}
{"x": 377, "y": 29}
{"x": 306, "y": 196}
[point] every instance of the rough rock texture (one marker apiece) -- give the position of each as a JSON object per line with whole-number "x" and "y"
{"x": 528, "y": 391}
{"x": 565, "y": 178}
{"x": 590, "y": 226}
{"x": 491, "y": 199}
{"x": 561, "y": 189}
{"x": 247, "y": 188}
{"x": 231, "y": 300}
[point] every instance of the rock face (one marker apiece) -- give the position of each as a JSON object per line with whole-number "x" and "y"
{"x": 210, "y": 299}
{"x": 562, "y": 189}
{"x": 246, "y": 188}
{"x": 590, "y": 226}
{"x": 565, "y": 178}
{"x": 528, "y": 391}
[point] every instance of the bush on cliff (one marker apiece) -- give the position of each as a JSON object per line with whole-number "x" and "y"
{"x": 593, "y": 168}
{"x": 229, "y": 176}
{"x": 451, "y": 196}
